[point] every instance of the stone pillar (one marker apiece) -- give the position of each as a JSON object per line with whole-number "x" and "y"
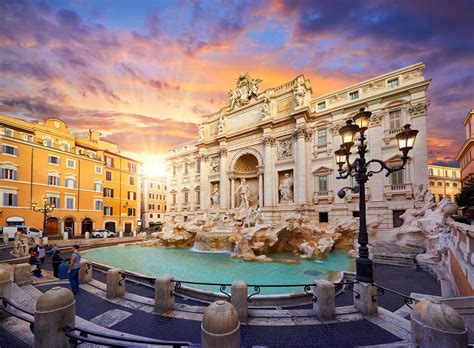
{"x": 85, "y": 272}
{"x": 115, "y": 283}
{"x": 5, "y": 238}
{"x": 364, "y": 295}
{"x": 22, "y": 274}
{"x": 55, "y": 309}
{"x": 232, "y": 193}
{"x": 164, "y": 298}
{"x": 260, "y": 189}
{"x": 325, "y": 306}
{"x": 16, "y": 247}
{"x": 437, "y": 325}
{"x": 24, "y": 248}
{"x": 220, "y": 326}
{"x": 134, "y": 233}
{"x": 5, "y": 288}
{"x": 268, "y": 143}
{"x": 299, "y": 186}
{"x": 204, "y": 182}
{"x": 65, "y": 236}
{"x": 239, "y": 299}
{"x": 223, "y": 181}
{"x": 121, "y": 234}
{"x": 86, "y": 235}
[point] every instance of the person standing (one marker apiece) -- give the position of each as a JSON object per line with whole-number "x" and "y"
{"x": 74, "y": 266}
{"x": 41, "y": 253}
{"x": 56, "y": 261}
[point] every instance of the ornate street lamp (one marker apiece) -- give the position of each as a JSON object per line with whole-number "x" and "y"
{"x": 47, "y": 208}
{"x": 359, "y": 169}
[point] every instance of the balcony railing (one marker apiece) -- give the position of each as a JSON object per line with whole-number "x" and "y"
{"x": 390, "y": 134}
{"x": 323, "y": 196}
{"x": 405, "y": 189}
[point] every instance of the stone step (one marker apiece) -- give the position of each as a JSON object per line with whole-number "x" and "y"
{"x": 409, "y": 262}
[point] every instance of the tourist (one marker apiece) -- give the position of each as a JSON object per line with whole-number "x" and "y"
{"x": 56, "y": 261}
{"x": 74, "y": 266}
{"x": 41, "y": 253}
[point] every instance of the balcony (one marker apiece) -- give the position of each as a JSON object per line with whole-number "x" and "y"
{"x": 197, "y": 206}
{"x": 351, "y": 195}
{"x": 322, "y": 150}
{"x": 173, "y": 207}
{"x": 390, "y": 134}
{"x": 323, "y": 196}
{"x": 398, "y": 190}
{"x": 185, "y": 206}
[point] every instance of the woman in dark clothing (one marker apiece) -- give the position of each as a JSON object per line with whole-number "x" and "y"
{"x": 56, "y": 261}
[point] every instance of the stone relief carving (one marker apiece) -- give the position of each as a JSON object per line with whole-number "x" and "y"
{"x": 221, "y": 124}
{"x": 269, "y": 140}
{"x": 215, "y": 165}
{"x": 375, "y": 120}
{"x": 266, "y": 106}
{"x": 418, "y": 109}
{"x": 373, "y": 86}
{"x": 201, "y": 131}
{"x": 286, "y": 189}
{"x": 412, "y": 74}
{"x": 300, "y": 92}
{"x": 223, "y": 151}
{"x": 337, "y": 98}
{"x": 216, "y": 196}
{"x": 284, "y": 149}
{"x": 246, "y": 89}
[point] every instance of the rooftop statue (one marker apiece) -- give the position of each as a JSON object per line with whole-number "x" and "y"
{"x": 246, "y": 89}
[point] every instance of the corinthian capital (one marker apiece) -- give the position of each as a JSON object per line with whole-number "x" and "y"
{"x": 300, "y": 131}
{"x": 223, "y": 151}
{"x": 269, "y": 140}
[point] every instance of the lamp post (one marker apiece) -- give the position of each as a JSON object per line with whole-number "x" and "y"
{"x": 360, "y": 170}
{"x": 47, "y": 208}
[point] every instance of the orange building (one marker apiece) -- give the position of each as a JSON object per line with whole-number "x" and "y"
{"x": 466, "y": 154}
{"x": 46, "y": 160}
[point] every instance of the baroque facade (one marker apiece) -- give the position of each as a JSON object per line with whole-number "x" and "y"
{"x": 275, "y": 150}
{"x": 92, "y": 185}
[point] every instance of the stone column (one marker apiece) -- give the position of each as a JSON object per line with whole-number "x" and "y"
{"x": 223, "y": 181}
{"x": 115, "y": 283}
{"x": 55, "y": 309}
{"x": 5, "y": 288}
{"x": 232, "y": 193}
{"x": 220, "y": 326}
{"x": 239, "y": 299}
{"x": 260, "y": 189}
{"x": 22, "y": 274}
{"x": 437, "y": 325}
{"x": 204, "y": 182}
{"x": 85, "y": 272}
{"x": 325, "y": 306}
{"x": 364, "y": 295}
{"x": 299, "y": 186}
{"x": 164, "y": 298}
{"x": 268, "y": 168}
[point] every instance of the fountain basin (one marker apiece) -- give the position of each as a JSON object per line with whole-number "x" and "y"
{"x": 186, "y": 265}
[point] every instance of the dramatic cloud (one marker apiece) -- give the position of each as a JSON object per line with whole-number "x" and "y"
{"x": 144, "y": 75}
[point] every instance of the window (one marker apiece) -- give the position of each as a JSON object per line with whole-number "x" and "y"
{"x": 440, "y": 183}
{"x": 132, "y": 167}
{"x": 53, "y": 160}
{"x": 455, "y": 184}
{"x": 393, "y": 83}
{"x": 109, "y": 161}
{"x": 397, "y": 221}
{"x": 431, "y": 172}
{"x": 151, "y": 185}
{"x": 10, "y": 199}
{"x": 53, "y": 180}
{"x": 322, "y": 105}
{"x": 158, "y": 186}
{"x": 28, "y": 137}
{"x": 173, "y": 195}
{"x": 132, "y": 195}
{"x": 108, "y": 192}
{"x": 8, "y": 132}
{"x": 395, "y": 119}
{"x": 440, "y": 198}
{"x": 323, "y": 217}
{"x": 9, "y": 150}
{"x": 164, "y": 197}
{"x": 98, "y": 170}
{"x": 54, "y": 201}
{"x": 151, "y": 206}
{"x": 198, "y": 197}
{"x": 65, "y": 147}
{"x": 70, "y": 203}
{"x": 159, "y": 207}
{"x": 186, "y": 197}
{"x": 447, "y": 184}
{"x": 70, "y": 183}
{"x": 186, "y": 168}
{"x": 322, "y": 137}
{"x": 131, "y": 211}
{"x": 98, "y": 204}
{"x": 131, "y": 180}
{"x": 108, "y": 211}
{"x": 70, "y": 163}
{"x": 323, "y": 183}
{"x": 8, "y": 174}
{"x": 108, "y": 176}
{"x": 98, "y": 187}
{"x": 431, "y": 183}
{"x": 158, "y": 216}
{"x": 354, "y": 95}
{"x": 396, "y": 178}
{"x": 151, "y": 216}
{"x": 355, "y": 214}
{"x": 151, "y": 196}
{"x": 48, "y": 142}
{"x": 174, "y": 170}
{"x": 198, "y": 166}
{"x": 454, "y": 174}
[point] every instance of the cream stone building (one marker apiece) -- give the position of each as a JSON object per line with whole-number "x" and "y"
{"x": 153, "y": 201}
{"x": 275, "y": 150}
{"x": 445, "y": 182}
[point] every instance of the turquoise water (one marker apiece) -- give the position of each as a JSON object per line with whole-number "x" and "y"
{"x": 188, "y": 265}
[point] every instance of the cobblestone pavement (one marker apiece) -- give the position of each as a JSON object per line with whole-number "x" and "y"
{"x": 347, "y": 334}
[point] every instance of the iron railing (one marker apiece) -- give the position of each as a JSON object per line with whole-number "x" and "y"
{"x": 5, "y": 304}
{"x": 306, "y": 289}
{"x": 407, "y": 300}
{"x": 222, "y": 287}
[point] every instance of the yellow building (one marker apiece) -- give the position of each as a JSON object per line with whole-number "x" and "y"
{"x": 153, "y": 201}
{"x": 444, "y": 182}
{"x": 46, "y": 160}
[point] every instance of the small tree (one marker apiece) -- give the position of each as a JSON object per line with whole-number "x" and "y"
{"x": 466, "y": 197}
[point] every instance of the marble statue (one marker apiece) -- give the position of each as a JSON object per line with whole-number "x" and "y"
{"x": 221, "y": 125}
{"x": 266, "y": 105}
{"x": 201, "y": 131}
{"x": 246, "y": 89}
{"x": 244, "y": 192}
{"x": 216, "y": 196}
{"x": 286, "y": 189}
{"x": 300, "y": 92}
{"x": 284, "y": 149}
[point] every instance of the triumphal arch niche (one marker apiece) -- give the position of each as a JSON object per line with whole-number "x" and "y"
{"x": 282, "y": 142}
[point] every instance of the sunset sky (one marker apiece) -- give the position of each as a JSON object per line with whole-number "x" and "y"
{"x": 143, "y": 72}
